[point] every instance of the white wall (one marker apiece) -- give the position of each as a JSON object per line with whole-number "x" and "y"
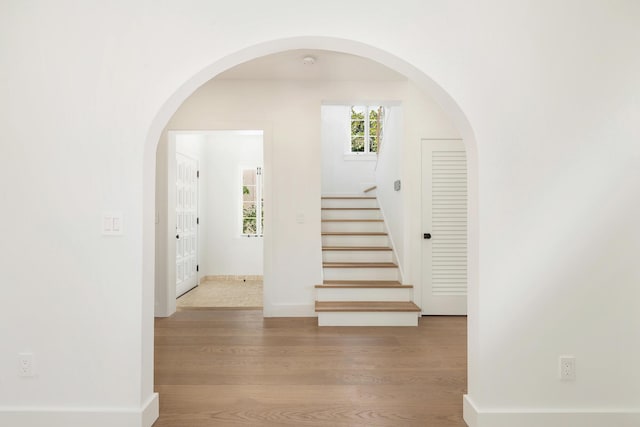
{"x": 342, "y": 174}
{"x": 388, "y": 170}
{"x": 226, "y": 252}
{"x": 292, "y": 111}
{"x": 551, "y": 102}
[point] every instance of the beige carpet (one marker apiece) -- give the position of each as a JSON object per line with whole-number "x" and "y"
{"x": 224, "y": 293}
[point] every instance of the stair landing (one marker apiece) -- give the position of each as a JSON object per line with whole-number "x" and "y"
{"x": 367, "y": 313}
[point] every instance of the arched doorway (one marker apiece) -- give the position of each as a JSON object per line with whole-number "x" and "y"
{"x": 421, "y": 80}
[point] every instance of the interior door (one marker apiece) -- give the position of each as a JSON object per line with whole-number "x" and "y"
{"x": 186, "y": 223}
{"x": 444, "y": 225}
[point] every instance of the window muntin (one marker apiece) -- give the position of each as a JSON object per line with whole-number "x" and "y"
{"x": 366, "y": 128}
{"x": 252, "y": 202}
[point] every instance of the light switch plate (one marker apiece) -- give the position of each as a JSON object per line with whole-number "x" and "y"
{"x": 112, "y": 224}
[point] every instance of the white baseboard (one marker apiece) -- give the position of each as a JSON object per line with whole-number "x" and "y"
{"x": 151, "y": 410}
{"x": 81, "y": 417}
{"x": 547, "y": 417}
{"x": 469, "y": 411}
{"x": 231, "y": 277}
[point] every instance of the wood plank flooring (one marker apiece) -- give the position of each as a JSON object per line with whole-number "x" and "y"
{"x": 216, "y": 367}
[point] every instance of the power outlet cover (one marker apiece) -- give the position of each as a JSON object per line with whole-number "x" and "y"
{"x": 26, "y": 365}
{"x": 567, "y": 368}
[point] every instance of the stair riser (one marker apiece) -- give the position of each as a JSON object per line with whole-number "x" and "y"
{"x": 367, "y": 319}
{"x": 364, "y": 294}
{"x": 353, "y": 226}
{"x": 351, "y": 214}
{"x": 365, "y": 273}
{"x": 357, "y": 256}
{"x": 355, "y": 241}
{"x": 349, "y": 203}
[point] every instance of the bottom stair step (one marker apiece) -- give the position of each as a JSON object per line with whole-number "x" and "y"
{"x": 367, "y": 313}
{"x": 366, "y": 306}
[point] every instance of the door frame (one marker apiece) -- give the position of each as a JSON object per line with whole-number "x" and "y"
{"x": 167, "y": 294}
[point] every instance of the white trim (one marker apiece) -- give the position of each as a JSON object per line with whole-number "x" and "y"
{"x": 144, "y": 416}
{"x": 170, "y": 254}
{"x": 469, "y": 411}
{"x": 151, "y": 410}
{"x": 349, "y": 103}
{"x": 548, "y": 417}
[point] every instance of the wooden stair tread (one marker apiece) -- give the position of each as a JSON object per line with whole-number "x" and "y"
{"x": 363, "y": 284}
{"x": 348, "y": 197}
{"x": 354, "y": 233}
{"x": 350, "y": 209}
{"x": 352, "y": 220}
{"x": 367, "y": 306}
{"x": 356, "y": 248}
{"x": 358, "y": 265}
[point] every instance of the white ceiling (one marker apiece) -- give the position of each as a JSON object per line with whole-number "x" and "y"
{"x": 329, "y": 65}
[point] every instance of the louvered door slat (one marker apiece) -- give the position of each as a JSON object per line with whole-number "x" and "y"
{"x": 449, "y": 208}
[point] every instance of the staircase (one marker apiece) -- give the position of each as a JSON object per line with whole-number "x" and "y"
{"x": 362, "y": 283}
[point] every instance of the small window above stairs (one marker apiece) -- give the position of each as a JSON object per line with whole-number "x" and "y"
{"x": 361, "y": 280}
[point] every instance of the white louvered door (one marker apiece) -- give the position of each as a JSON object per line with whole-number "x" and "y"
{"x": 444, "y": 217}
{"x": 186, "y": 223}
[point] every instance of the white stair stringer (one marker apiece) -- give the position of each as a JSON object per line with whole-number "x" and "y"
{"x": 361, "y": 284}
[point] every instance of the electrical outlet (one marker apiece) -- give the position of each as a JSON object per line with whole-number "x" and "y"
{"x": 26, "y": 366}
{"x": 567, "y": 368}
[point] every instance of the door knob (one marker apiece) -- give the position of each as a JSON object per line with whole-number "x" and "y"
{"x": 427, "y": 236}
{"x": 177, "y": 236}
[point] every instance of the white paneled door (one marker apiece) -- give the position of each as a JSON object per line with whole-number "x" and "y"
{"x": 444, "y": 225}
{"x": 186, "y": 223}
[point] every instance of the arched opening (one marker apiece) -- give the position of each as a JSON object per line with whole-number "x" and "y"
{"x": 420, "y": 79}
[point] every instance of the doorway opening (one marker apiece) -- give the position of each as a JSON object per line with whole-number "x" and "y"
{"x": 214, "y": 217}
{"x": 295, "y": 211}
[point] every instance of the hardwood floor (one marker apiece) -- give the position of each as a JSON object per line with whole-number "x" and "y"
{"x": 216, "y": 367}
